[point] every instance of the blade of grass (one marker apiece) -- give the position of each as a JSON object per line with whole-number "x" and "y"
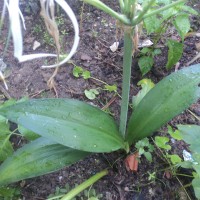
{"x": 85, "y": 185}
{"x": 127, "y": 62}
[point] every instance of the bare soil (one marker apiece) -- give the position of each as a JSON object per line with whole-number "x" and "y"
{"x": 98, "y": 32}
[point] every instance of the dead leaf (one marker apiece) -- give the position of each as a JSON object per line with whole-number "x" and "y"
{"x": 131, "y": 162}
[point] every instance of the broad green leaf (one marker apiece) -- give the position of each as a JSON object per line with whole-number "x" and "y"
{"x": 174, "y": 54}
{"x": 191, "y": 135}
{"x": 8, "y": 103}
{"x": 29, "y": 135}
{"x": 142, "y": 143}
{"x": 189, "y": 10}
{"x": 69, "y": 122}
{"x": 6, "y": 148}
{"x": 146, "y": 85}
{"x": 182, "y": 25}
{"x": 39, "y": 157}
{"x": 141, "y": 151}
{"x": 86, "y": 74}
{"x": 186, "y": 164}
{"x": 156, "y": 52}
{"x": 77, "y": 71}
{"x": 175, "y": 134}
{"x": 171, "y": 12}
{"x": 145, "y": 63}
{"x": 161, "y": 142}
{"x": 146, "y": 50}
{"x": 152, "y": 24}
{"x": 91, "y": 94}
{"x": 197, "y": 168}
{"x": 175, "y": 159}
{"x": 167, "y": 99}
{"x": 196, "y": 186}
{"x": 148, "y": 156}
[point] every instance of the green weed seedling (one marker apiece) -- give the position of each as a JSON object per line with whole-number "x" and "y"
{"x": 145, "y": 148}
{"x": 162, "y": 142}
{"x": 47, "y": 39}
{"x": 70, "y": 130}
{"x": 190, "y": 134}
{"x": 92, "y": 93}
{"x": 89, "y": 194}
{"x": 37, "y": 29}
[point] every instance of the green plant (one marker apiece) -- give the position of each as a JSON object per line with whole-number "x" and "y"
{"x": 160, "y": 23}
{"x": 172, "y": 159}
{"x": 190, "y": 134}
{"x": 92, "y": 93}
{"x": 89, "y": 194}
{"x": 48, "y": 39}
{"x": 71, "y": 130}
{"x": 145, "y": 148}
{"x": 162, "y": 143}
{"x": 37, "y": 29}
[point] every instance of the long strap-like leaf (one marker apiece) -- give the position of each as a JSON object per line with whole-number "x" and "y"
{"x": 39, "y": 157}
{"x": 68, "y": 122}
{"x": 167, "y": 99}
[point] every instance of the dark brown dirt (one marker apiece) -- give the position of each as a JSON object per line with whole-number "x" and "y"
{"x": 98, "y": 32}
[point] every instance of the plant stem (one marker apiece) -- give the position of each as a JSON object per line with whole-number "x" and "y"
{"x": 126, "y": 8}
{"x": 127, "y": 62}
{"x": 142, "y": 13}
{"x": 163, "y": 8}
{"x": 121, "y": 3}
{"x": 111, "y": 12}
{"x": 96, "y": 79}
{"x": 85, "y": 185}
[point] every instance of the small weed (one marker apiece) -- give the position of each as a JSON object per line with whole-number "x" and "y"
{"x": 145, "y": 148}
{"x": 94, "y": 34}
{"x": 47, "y": 39}
{"x": 104, "y": 22}
{"x": 89, "y": 194}
{"x": 64, "y": 32}
{"x": 37, "y": 29}
{"x": 60, "y": 20}
{"x": 152, "y": 176}
{"x": 92, "y": 93}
